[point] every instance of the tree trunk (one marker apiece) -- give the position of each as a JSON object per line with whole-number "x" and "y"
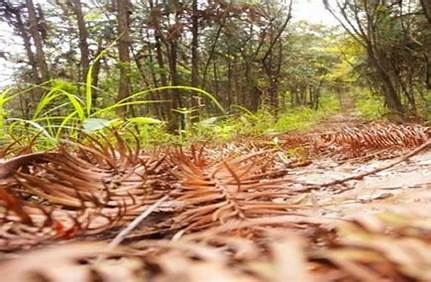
{"x": 229, "y": 84}
{"x": 388, "y": 88}
{"x": 195, "y": 44}
{"x": 427, "y": 63}
{"x": 37, "y": 38}
{"x": 172, "y": 47}
{"x": 177, "y": 103}
{"x": 426, "y": 5}
{"x": 195, "y": 55}
{"x": 123, "y": 50}
{"x": 95, "y": 73}
{"x": 83, "y": 37}
{"x": 165, "y": 108}
{"x": 27, "y": 45}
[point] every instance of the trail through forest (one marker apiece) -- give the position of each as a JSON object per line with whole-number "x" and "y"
{"x": 404, "y": 186}
{"x": 237, "y": 141}
{"x": 346, "y": 200}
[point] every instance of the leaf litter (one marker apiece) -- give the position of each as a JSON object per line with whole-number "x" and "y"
{"x": 349, "y": 204}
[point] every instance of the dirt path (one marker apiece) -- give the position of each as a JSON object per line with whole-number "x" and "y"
{"x": 405, "y": 186}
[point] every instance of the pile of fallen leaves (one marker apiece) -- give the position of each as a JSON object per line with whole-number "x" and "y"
{"x": 104, "y": 210}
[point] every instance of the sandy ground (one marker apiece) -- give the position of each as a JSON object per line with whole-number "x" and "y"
{"x": 406, "y": 186}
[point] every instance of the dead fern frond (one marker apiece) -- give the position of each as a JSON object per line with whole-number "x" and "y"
{"x": 72, "y": 262}
{"x": 375, "y": 138}
{"x": 238, "y": 188}
{"x": 81, "y": 189}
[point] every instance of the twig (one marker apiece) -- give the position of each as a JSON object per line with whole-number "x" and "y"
{"x": 362, "y": 175}
{"x": 374, "y": 171}
{"x": 132, "y": 225}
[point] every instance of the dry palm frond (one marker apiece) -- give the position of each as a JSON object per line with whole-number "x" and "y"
{"x": 231, "y": 214}
{"x": 239, "y": 188}
{"x": 382, "y": 247}
{"x": 372, "y": 138}
{"x": 63, "y": 194}
{"x": 229, "y": 258}
{"x": 163, "y": 260}
{"x": 72, "y": 262}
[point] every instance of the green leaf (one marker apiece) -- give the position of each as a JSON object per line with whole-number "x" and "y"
{"x": 89, "y": 79}
{"x": 34, "y": 124}
{"x": 93, "y": 124}
{"x": 144, "y": 120}
{"x": 209, "y": 121}
{"x": 144, "y": 93}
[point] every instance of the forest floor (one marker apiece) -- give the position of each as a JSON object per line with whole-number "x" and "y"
{"x": 346, "y": 200}
{"x": 402, "y": 187}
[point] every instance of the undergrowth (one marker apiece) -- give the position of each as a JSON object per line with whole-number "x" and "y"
{"x": 369, "y": 106}
{"x": 262, "y": 122}
{"x": 63, "y": 114}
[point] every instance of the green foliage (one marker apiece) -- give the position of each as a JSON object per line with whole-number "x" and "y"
{"x": 369, "y": 106}
{"x": 61, "y": 112}
{"x": 247, "y": 123}
{"x": 303, "y": 117}
{"x": 424, "y": 106}
{"x": 215, "y": 128}
{"x": 297, "y": 119}
{"x": 243, "y": 123}
{"x": 4, "y": 98}
{"x": 64, "y": 111}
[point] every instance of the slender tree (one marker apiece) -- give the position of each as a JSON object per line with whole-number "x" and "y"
{"x": 363, "y": 21}
{"x": 38, "y": 41}
{"x": 83, "y": 38}
{"x": 195, "y": 53}
{"x": 195, "y": 43}
{"x": 123, "y": 21}
{"x": 426, "y": 5}
{"x": 13, "y": 16}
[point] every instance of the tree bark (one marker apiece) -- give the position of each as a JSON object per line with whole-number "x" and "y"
{"x": 172, "y": 47}
{"x": 195, "y": 56}
{"x": 95, "y": 73}
{"x": 426, "y": 5}
{"x": 27, "y": 45}
{"x": 123, "y": 50}
{"x": 38, "y": 42}
{"x": 165, "y": 108}
{"x": 83, "y": 38}
{"x": 388, "y": 88}
{"x": 195, "y": 44}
